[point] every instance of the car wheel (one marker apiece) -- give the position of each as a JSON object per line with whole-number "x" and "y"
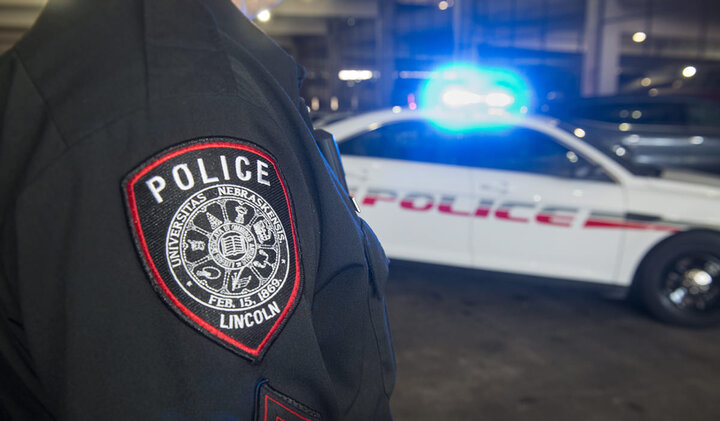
{"x": 680, "y": 280}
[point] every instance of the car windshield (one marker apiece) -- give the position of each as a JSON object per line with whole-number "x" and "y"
{"x": 611, "y": 149}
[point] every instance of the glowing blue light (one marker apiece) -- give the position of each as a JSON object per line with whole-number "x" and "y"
{"x": 463, "y": 96}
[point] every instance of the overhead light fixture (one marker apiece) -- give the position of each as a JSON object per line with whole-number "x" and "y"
{"x": 264, "y": 15}
{"x": 646, "y": 82}
{"x": 639, "y": 37}
{"x": 443, "y": 5}
{"x": 355, "y": 75}
{"x": 689, "y": 71}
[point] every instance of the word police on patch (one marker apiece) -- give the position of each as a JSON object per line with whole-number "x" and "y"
{"x": 213, "y": 225}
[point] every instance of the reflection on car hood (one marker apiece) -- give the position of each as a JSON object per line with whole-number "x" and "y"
{"x": 691, "y": 177}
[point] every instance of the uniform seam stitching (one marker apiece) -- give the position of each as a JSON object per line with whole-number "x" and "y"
{"x": 80, "y": 140}
{"x": 46, "y": 105}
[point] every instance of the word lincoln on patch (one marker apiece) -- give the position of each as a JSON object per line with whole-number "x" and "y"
{"x": 213, "y": 224}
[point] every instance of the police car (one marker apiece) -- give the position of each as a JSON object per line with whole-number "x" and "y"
{"x": 527, "y": 195}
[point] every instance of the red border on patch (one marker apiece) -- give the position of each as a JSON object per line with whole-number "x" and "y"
{"x": 143, "y": 244}
{"x": 283, "y": 407}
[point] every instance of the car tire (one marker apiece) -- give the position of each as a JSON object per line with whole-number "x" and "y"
{"x": 679, "y": 281}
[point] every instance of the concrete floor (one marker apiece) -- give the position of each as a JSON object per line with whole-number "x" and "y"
{"x": 472, "y": 347}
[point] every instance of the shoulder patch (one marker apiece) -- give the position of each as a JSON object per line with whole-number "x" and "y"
{"x": 214, "y": 228}
{"x": 273, "y": 406}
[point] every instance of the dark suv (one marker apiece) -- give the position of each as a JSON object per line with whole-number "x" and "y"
{"x": 664, "y": 131}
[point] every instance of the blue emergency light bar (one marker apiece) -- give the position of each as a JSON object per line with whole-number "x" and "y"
{"x": 462, "y": 96}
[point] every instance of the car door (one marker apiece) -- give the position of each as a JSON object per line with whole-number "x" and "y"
{"x": 535, "y": 200}
{"x": 416, "y": 201}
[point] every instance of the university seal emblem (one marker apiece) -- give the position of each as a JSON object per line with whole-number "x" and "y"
{"x": 213, "y": 225}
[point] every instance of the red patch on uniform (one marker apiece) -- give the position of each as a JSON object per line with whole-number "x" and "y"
{"x": 275, "y": 406}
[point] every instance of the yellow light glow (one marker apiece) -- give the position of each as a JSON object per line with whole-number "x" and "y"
{"x": 689, "y": 71}
{"x": 579, "y": 133}
{"x": 623, "y": 127}
{"x": 639, "y": 36}
{"x": 264, "y": 15}
{"x": 443, "y": 5}
{"x": 646, "y": 82}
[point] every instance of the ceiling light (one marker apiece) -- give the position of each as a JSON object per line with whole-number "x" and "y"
{"x": 264, "y": 15}
{"x": 689, "y": 71}
{"x": 355, "y": 75}
{"x": 639, "y": 37}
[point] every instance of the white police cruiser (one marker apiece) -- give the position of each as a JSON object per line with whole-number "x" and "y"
{"x": 527, "y": 195}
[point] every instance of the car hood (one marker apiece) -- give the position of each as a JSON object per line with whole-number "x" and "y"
{"x": 690, "y": 177}
{"x": 678, "y": 196}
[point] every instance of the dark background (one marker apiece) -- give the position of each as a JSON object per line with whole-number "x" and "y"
{"x": 474, "y": 345}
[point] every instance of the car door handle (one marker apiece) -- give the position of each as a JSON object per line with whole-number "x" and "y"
{"x": 643, "y": 217}
{"x": 492, "y": 187}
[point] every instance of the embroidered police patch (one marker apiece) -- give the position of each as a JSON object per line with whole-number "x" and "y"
{"x": 213, "y": 225}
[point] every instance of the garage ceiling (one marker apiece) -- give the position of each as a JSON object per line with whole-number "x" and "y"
{"x": 394, "y": 37}
{"x": 16, "y": 16}
{"x": 291, "y": 18}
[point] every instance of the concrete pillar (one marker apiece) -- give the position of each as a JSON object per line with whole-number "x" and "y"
{"x": 601, "y": 61}
{"x": 334, "y": 46}
{"x": 385, "y": 52}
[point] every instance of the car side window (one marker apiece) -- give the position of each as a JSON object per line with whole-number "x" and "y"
{"x": 656, "y": 113}
{"x": 705, "y": 115}
{"x": 407, "y": 140}
{"x": 601, "y": 112}
{"x": 526, "y": 150}
{"x": 509, "y": 149}
{"x": 641, "y": 113}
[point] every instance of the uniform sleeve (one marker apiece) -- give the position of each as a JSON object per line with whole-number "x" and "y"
{"x": 27, "y": 142}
